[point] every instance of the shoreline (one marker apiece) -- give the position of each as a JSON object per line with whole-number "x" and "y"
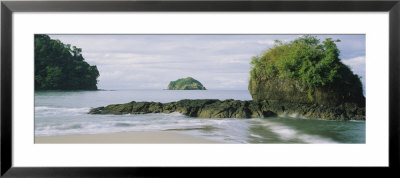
{"x": 146, "y": 137}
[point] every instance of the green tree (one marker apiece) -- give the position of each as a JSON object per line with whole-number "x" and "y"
{"x": 59, "y": 66}
{"x": 307, "y": 59}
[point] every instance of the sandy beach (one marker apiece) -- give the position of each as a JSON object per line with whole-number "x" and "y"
{"x": 166, "y": 137}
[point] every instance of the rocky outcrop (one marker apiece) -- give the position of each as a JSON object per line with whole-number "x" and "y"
{"x": 291, "y": 91}
{"x": 188, "y": 83}
{"x": 304, "y": 71}
{"x": 210, "y": 108}
{"x": 207, "y": 108}
{"x": 345, "y": 111}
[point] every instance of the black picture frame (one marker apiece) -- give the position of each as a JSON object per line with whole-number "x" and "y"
{"x": 8, "y": 7}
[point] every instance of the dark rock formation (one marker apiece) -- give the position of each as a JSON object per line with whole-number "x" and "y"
{"x": 210, "y": 108}
{"x": 306, "y": 77}
{"x": 291, "y": 91}
{"x": 346, "y": 111}
{"x": 207, "y": 108}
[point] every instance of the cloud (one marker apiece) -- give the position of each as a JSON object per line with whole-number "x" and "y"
{"x": 217, "y": 61}
{"x": 266, "y": 42}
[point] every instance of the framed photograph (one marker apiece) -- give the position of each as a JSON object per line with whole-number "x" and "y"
{"x": 103, "y": 88}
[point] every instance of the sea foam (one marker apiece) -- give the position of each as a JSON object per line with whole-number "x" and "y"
{"x": 288, "y": 133}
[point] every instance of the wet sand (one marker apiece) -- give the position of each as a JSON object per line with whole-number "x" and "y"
{"x": 166, "y": 137}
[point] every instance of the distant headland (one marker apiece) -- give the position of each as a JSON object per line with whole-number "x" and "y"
{"x": 59, "y": 66}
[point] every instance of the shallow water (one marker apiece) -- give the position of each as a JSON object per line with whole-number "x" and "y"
{"x": 65, "y": 113}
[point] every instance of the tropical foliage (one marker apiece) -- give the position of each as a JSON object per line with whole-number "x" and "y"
{"x": 59, "y": 66}
{"x": 188, "y": 83}
{"x": 314, "y": 63}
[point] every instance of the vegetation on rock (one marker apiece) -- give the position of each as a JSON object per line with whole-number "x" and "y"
{"x": 59, "y": 66}
{"x": 305, "y": 70}
{"x": 188, "y": 83}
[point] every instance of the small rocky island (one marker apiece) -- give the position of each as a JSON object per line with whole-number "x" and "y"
{"x": 187, "y": 83}
{"x": 302, "y": 78}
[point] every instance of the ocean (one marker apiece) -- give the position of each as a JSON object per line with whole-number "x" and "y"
{"x": 65, "y": 113}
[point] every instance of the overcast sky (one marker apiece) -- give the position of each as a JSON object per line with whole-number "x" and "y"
{"x": 217, "y": 61}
